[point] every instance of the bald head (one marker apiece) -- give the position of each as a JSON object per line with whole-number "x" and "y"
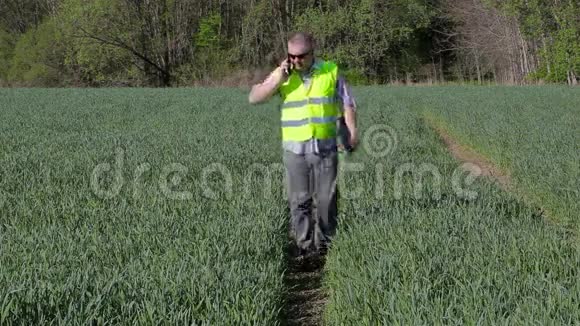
{"x": 301, "y": 50}
{"x": 301, "y": 38}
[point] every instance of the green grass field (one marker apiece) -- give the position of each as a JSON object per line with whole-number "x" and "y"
{"x": 155, "y": 206}
{"x": 534, "y": 133}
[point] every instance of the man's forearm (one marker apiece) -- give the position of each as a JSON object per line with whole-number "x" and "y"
{"x": 350, "y": 119}
{"x": 262, "y": 92}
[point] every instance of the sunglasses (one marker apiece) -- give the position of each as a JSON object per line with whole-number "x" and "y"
{"x": 299, "y": 56}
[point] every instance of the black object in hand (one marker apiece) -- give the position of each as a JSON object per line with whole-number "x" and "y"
{"x": 288, "y": 71}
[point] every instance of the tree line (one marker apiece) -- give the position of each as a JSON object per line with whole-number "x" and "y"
{"x": 184, "y": 42}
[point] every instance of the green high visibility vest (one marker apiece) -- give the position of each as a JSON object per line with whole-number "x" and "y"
{"x": 313, "y": 112}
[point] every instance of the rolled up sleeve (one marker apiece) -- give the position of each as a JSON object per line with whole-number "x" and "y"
{"x": 345, "y": 95}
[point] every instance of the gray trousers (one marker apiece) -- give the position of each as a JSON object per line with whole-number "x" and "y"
{"x": 312, "y": 183}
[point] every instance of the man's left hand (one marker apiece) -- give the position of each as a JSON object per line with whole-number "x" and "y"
{"x": 353, "y": 140}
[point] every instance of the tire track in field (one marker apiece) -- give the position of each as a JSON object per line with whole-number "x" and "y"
{"x": 464, "y": 154}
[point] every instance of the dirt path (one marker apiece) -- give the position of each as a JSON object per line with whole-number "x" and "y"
{"x": 463, "y": 154}
{"x": 305, "y": 298}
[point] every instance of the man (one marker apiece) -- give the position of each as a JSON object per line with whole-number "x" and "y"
{"x": 315, "y": 98}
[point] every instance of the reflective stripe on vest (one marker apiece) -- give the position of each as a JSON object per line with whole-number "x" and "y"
{"x": 310, "y": 113}
{"x": 298, "y": 123}
{"x": 312, "y": 100}
{"x": 310, "y": 146}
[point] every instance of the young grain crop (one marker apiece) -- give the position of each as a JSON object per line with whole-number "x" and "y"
{"x": 532, "y": 132}
{"x": 445, "y": 259}
{"x": 69, "y": 254}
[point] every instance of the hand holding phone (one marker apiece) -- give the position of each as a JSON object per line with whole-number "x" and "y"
{"x": 288, "y": 66}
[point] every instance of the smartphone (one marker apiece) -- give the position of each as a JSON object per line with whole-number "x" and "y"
{"x": 289, "y": 70}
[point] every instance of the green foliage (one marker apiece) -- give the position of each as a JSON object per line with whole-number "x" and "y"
{"x": 559, "y": 58}
{"x": 7, "y": 44}
{"x": 38, "y": 56}
{"x": 555, "y": 24}
{"x": 100, "y": 63}
{"x": 213, "y": 58}
{"x": 564, "y": 55}
{"x": 369, "y": 36}
{"x": 259, "y": 36}
{"x": 24, "y": 66}
{"x": 94, "y": 63}
{"x": 375, "y": 40}
{"x": 208, "y": 35}
{"x": 355, "y": 76}
{"x": 328, "y": 26}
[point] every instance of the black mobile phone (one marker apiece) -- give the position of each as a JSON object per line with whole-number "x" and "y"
{"x": 289, "y": 70}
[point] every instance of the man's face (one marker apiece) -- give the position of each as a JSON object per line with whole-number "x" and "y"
{"x": 301, "y": 55}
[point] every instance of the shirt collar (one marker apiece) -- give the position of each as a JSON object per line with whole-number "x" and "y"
{"x": 315, "y": 66}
